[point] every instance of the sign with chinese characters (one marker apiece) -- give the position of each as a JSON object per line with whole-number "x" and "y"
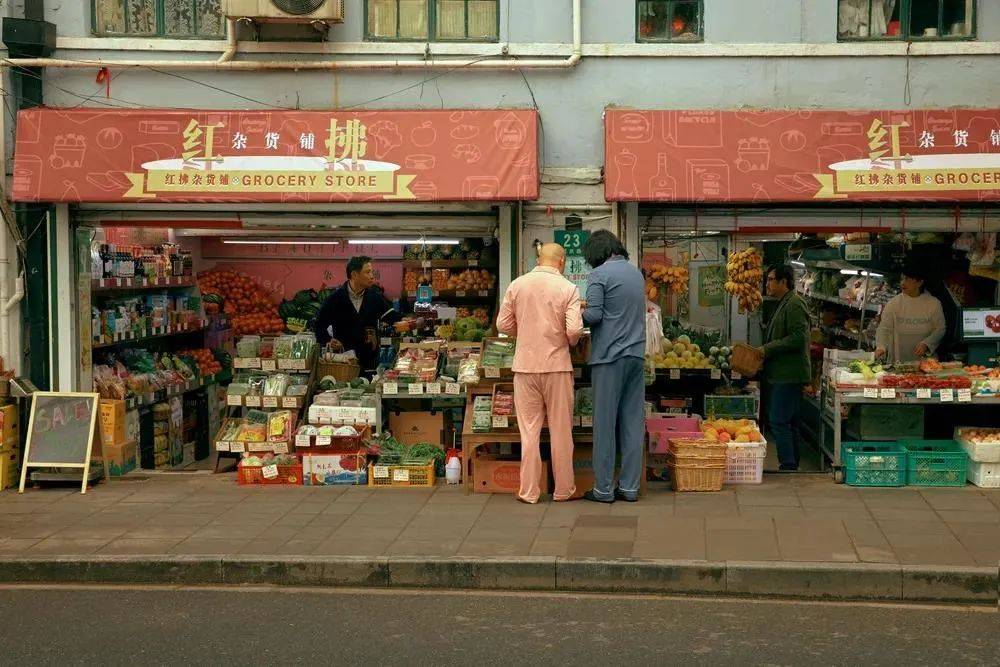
{"x": 577, "y": 269}
{"x": 114, "y": 155}
{"x": 752, "y": 156}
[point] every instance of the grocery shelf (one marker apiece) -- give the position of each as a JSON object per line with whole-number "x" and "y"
{"x": 845, "y": 333}
{"x": 118, "y": 284}
{"x": 871, "y": 308}
{"x": 155, "y": 333}
{"x": 173, "y": 390}
{"x": 447, "y": 264}
{"x": 459, "y": 294}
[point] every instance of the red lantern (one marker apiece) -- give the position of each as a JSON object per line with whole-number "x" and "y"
{"x": 678, "y": 25}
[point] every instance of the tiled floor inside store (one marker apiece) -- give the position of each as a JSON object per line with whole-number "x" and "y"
{"x": 789, "y": 518}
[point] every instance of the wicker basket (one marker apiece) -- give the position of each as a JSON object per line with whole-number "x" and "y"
{"x": 685, "y": 448}
{"x": 338, "y": 370}
{"x": 701, "y": 477}
{"x": 746, "y": 360}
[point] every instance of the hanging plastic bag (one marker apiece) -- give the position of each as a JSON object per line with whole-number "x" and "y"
{"x": 654, "y": 329}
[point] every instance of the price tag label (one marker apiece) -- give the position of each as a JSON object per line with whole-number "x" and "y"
{"x": 303, "y": 441}
{"x": 491, "y": 372}
{"x": 400, "y": 475}
{"x": 270, "y": 472}
{"x": 453, "y": 389}
{"x": 281, "y": 447}
{"x": 433, "y": 388}
{"x": 501, "y": 421}
{"x": 416, "y": 389}
{"x": 473, "y": 262}
{"x": 253, "y": 401}
{"x": 289, "y": 402}
{"x": 234, "y": 400}
{"x": 270, "y": 401}
{"x": 716, "y": 374}
{"x": 964, "y": 395}
{"x": 323, "y": 441}
{"x": 268, "y": 364}
{"x": 887, "y": 393}
{"x": 222, "y": 446}
{"x": 871, "y": 392}
{"x": 380, "y": 472}
{"x": 460, "y": 294}
{"x": 675, "y": 374}
{"x": 947, "y": 395}
{"x": 923, "y": 392}
{"x": 587, "y": 421}
{"x": 736, "y": 376}
{"x": 390, "y": 389}
{"x": 238, "y": 447}
{"x": 483, "y": 293}
{"x": 426, "y": 264}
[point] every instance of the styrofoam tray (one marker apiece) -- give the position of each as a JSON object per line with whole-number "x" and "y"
{"x": 983, "y": 453}
{"x": 984, "y": 475}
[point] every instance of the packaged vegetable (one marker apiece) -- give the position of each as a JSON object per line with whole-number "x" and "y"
{"x": 253, "y": 433}
{"x": 276, "y": 385}
{"x": 248, "y": 346}
{"x": 279, "y": 426}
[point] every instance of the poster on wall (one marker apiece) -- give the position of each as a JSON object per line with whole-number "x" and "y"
{"x": 711, "y": 282}
{"x": 577, "y": 269}
{"x": 801, "y": 155}
{"x": 165, "y": 155}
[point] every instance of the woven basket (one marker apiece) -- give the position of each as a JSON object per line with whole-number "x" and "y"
{"x": 340, "y": 371}
{"x": 683, "y": 448}
{"x": 746, "y": 360}
{"x": 708, "y": 477}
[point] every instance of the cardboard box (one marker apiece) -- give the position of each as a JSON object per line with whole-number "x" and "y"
{"x": 10, "y": 468}
{"x": 334, "y": 469}
{"x": 411, "y": 428}
{"x": 112, "y": 422}
{"x": 10, "y": 423}
{"x": 120, "y": 459}
{"x": 500, "y": 476}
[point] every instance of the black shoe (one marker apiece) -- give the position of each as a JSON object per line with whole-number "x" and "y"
{"x": 589, "y": 495}
{"x": 787, "y": 468}
{"x": 620, "y": 495}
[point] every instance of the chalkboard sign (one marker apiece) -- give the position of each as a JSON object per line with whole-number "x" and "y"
{"x": 61, "y": 432}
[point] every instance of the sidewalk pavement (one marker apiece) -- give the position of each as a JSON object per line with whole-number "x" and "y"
{"x": 790, "y": 523}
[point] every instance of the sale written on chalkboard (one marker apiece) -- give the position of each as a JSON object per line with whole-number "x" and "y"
{"x": 61, "y": 431}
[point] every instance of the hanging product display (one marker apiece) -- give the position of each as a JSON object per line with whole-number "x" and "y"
{"x": 744, "y": 278}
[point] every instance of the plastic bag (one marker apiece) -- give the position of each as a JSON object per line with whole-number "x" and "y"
{"x": 654, "y": 329}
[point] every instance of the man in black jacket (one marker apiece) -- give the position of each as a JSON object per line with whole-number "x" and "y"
{"x": 350, "y": 317}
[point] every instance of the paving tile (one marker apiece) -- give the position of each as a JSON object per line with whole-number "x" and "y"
{"x": 298, "y": 547}
{"x": 946, "y": 554}
{"x": 13, "y": 545}
{"x": 348, "y": 547}
{"x": 58, "y": 546}
{"x": 739, "y": 523}
{"x": 814, "y": 541}
{"x": 223, "y": 532}
{"x": 604, "y": 534}
{"x": 773, "y": 512}
{"x": 768, "y": 499}
{"x": 599, "y": 521}
{"x": 842, "y": 514}
{"x": 742, "y": 545}
{"x": 129, "y": 546}
{"x": 966, "y": 500}
{"x": 423, "y": 548}
{"x": 927, "y": 529}
{"x": 155, "y": 532}
{"x": 209, "y": 547}
{"x": 641, "y": 509}
{"x": 956, "y": 516}
{"x": 894, "y": 499}
{"x": 599, "y": 549}
{"x": 907, "y": 515}
{"x": 475, "y": 549}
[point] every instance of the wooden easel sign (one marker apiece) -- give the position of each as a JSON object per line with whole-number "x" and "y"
{"x": 62, "y": 430}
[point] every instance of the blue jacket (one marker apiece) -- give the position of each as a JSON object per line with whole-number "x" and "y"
{"x": 616, "y": 312}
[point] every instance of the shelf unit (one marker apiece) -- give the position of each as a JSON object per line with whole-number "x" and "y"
{"x": 119, "y": 284}
{"x": 154, "y": 334}
{"x": 871, "y": 308}
{"x": 447, "y": 264}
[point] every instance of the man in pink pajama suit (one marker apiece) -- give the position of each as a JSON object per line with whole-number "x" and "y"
{"x": 542, "y": 309}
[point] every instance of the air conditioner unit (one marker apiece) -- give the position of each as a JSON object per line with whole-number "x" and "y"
{"x": 287, "y": 11}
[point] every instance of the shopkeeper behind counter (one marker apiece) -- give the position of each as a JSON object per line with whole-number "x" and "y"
{"x": 350, "y": 317}
{"x": 912, "y": 323}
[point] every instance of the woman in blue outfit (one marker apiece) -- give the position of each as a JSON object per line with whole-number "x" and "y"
{"x": 616, "y": 314}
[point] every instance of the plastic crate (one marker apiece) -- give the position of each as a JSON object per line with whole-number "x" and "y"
{"x": 935, "y": 463}
{"x": 984, "y": 475}
{"x": 745, "y": 463}
{"x": 982, "y": 452}
{"x": 290, "y": 475}
{"x": 400, "y": 475}
{"x": 874, "y": 463}
{"x": 738, "y": 406}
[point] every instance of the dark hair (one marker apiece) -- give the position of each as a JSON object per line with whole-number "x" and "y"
{"x": 783, "y": 272}
{"x": 355, "y": 264}
{"x": 601, "y": 246}
{"x": 911, "y": 269}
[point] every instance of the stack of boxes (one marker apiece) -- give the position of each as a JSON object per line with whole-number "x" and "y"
{"x": 118, "y": 437}
{"x": 161, "y": 436}
{"x": 10, "y": 447}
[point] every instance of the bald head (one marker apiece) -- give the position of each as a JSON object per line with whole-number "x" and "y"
{"x": 552, "y": 254}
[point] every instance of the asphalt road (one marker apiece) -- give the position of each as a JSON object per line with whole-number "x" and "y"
{"x": 152, "y": 626}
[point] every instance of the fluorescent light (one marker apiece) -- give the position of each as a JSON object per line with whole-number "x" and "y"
{"x": 273, "y": 242}
{"x": 796, "y": 262}
{"x": 855, "y": 272}
{"x": 849, "y": 272}
{"x": 404, "y": 242}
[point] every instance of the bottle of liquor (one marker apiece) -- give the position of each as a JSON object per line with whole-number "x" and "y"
{"x": 662, "y": 186}
{"x": 107, "y": 259}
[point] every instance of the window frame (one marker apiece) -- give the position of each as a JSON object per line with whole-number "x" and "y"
{"x": 671, "y": 40}
{"x": 161, "y": 23}
{"x": 904, "y": 26}
{"x": 432, "y": 28}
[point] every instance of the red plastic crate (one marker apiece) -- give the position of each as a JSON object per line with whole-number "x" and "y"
{"x": 663, "y": 428}
{"x": 289, "y": 475}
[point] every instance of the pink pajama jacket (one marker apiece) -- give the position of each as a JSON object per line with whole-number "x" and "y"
{"x": 542, "y": 309}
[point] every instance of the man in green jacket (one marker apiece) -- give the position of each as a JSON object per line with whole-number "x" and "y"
{"x": 786, "y": 363}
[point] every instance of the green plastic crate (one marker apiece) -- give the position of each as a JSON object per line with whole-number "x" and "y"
{"x": 935, "y": 463}
{"x": 737, "y": 406}
{"x": 873, "y": 463}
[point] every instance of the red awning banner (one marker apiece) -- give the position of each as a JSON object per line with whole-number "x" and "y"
{"x": 142, "y": 155}
{"x": 797, "y": 155}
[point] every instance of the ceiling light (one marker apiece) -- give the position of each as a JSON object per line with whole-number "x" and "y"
{"x": 404, "y": 242}
{"x": 276, "y": 242}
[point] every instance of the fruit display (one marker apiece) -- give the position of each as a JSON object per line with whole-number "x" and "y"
{"x": 441, "y": 280}
{"x": 731, "y": 430}
{"x": 979, "y": 436}
{"x": 300, "y": 312}
{"x": 467, "y": 249}
{"x": 207, "y": 363}
{"x": 243, "y": 299}
{"x": 719, "y": 356}
{"x": 673, "y": 278}
{"x": 744, "y": 276}
{"x": 680, "y": 353}
{"x": 481, "y": 315}
{"x": 469, "y": 329}
{"x": 926, "y": 382}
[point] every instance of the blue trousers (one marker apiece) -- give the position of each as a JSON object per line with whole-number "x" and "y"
{"x": 619, "y": 425}
{"x": 783, "y": 416}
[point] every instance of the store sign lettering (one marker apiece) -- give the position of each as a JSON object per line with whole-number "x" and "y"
{"x": 58, "y": 417}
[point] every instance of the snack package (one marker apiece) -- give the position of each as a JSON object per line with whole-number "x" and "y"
{"x": 253, "y": 433}
{"x": 279, "y": 426}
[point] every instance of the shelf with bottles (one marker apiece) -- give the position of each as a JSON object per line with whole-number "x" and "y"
{"x": 135, "y": 318}
{"x": 116, "y": 267}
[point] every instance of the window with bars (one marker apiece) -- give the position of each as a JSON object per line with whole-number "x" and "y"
{"x": 158, "y": 18}
{"x": 906, "y": 19}
{"x": 433, "y": 20}
{"x": 669, "y": 21}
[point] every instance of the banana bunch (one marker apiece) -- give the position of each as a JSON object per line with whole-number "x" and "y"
{"x": 674, "y": 278}
{"x": 652, "y": 291}
{"x": 745, "y": 273}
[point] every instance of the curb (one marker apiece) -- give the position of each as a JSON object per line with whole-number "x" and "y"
{"x": 817, "y": 581}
